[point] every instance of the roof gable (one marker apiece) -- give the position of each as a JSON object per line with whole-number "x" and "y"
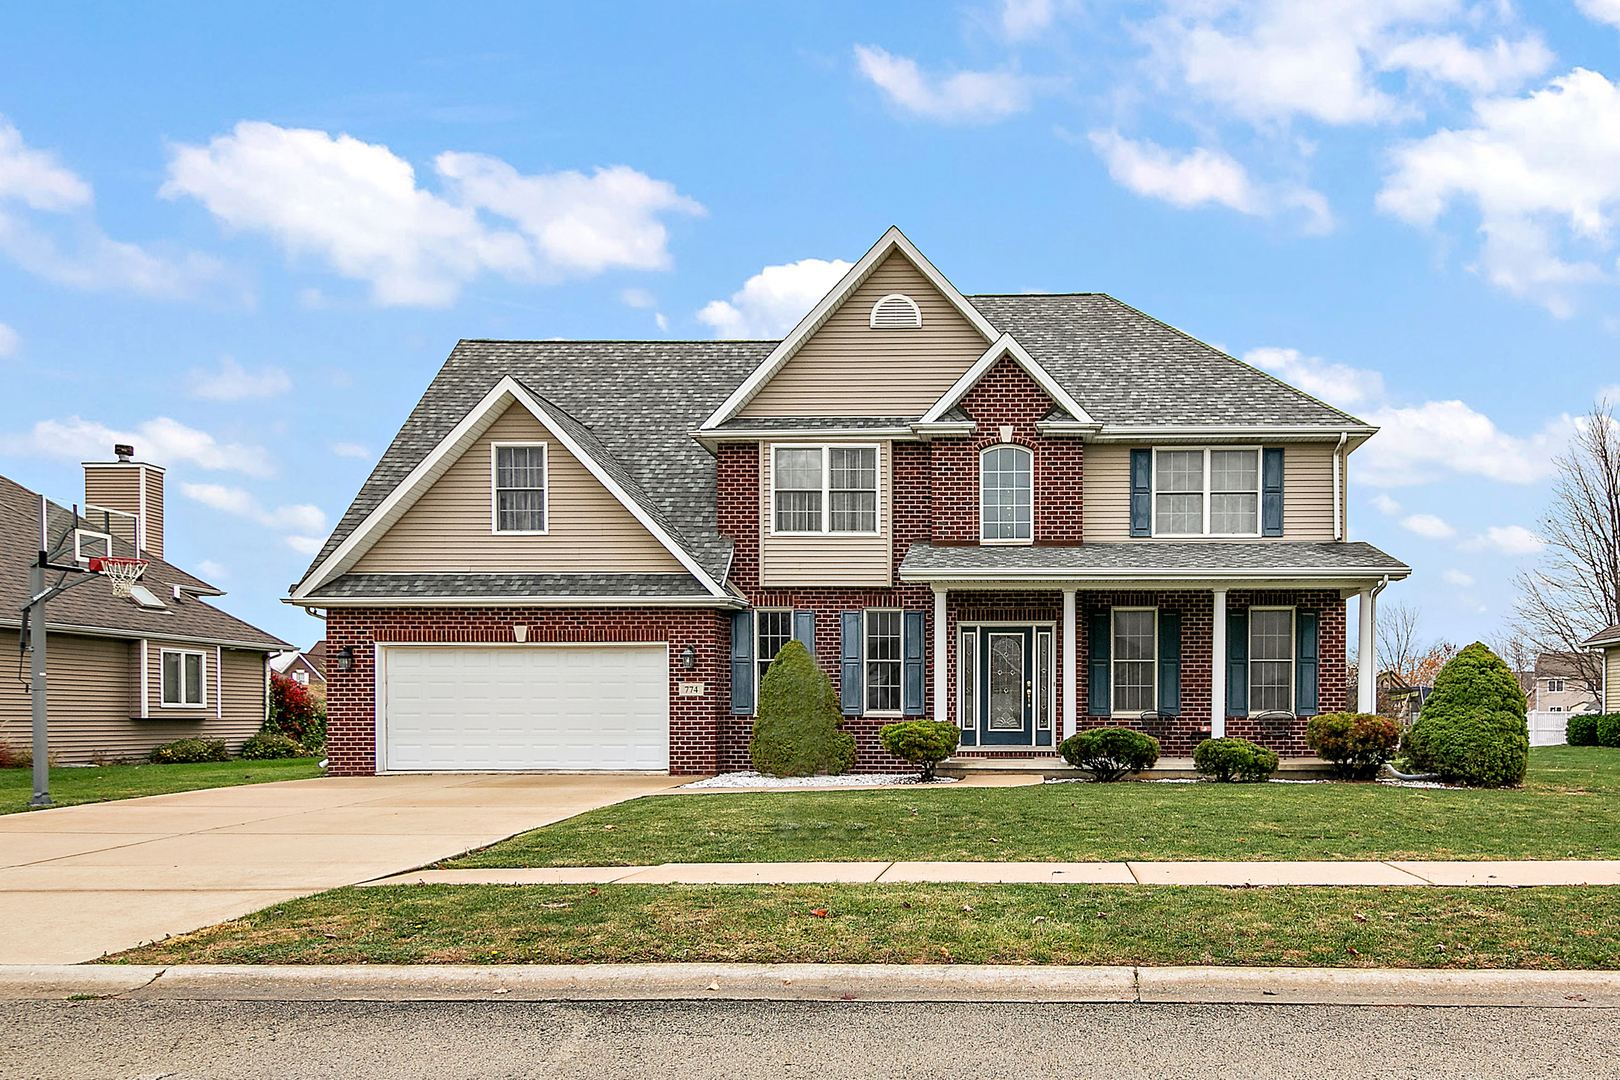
{"x": 1005, "y": 346}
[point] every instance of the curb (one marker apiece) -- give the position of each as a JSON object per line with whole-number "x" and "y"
{"x": 819, "y": 982}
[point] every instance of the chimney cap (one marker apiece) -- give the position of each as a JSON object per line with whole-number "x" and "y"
{"x": 124, "y": 451}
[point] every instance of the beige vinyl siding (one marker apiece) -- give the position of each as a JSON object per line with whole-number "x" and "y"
{"x": 115, "y": 487}
{"x": 95, "y": 707}
{"x": 448, "y": 528}
{"x": 1307, "y": 492}
{"x": 848, "y": 369}
{"x": 828, "y": 559}
{"x": 1611, "y": 658}
{"x": 154, "y": 512}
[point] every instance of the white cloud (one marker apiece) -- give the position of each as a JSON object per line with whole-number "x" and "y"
{"x": 1543, "y": 173}
{"x": 357, "y": 206}
{"x": 965, "y": 97}
{"x": 349, "y": 449}
{"x": 233, "y": 382}
{"x": 213, "y": 571}
{"x": 772, "y": 301}
{"x": 1507, "y": 539}
{"x": 1447, "y": 58}
{"x": 1024, "y": 19}
{"x": 1339, "y": 385}
{"x": 35, "y": 177}
{"x": 1385, "y": 505}
{"x": 1423, "y": 443}
{"x": 10, "y": 342}
{"x": 161, "y": 441}
{"x": 1429, "y": 526}
{"x": 1457, "y": 577}
{"x": 300, "y": 518}
{"x": 638, "y": 298}
{"x": 1604, "y": 11}
{"x": 307, "y": 545}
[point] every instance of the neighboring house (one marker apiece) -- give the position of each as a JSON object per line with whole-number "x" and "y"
{"x": 1399, "y": 700}
{"x": 125, "y": 674}
{"x": 1607, "y": 642}
{"x": 306, "y": 668}
{"x": 1557, "y": 686}
{"x": 1022, "y": 514}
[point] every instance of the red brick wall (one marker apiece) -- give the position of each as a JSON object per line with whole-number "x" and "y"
{"x": 737, "y": 509}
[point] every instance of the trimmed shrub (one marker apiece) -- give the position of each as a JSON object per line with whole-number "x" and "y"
{"x": 296, "y": 713}
{"x": 1472, "y": 729}
{"x": 799, "y": 731}
{"x": 188, "y": 751}
{"x": 921, "y": 742}
{"x": 269, "y": 745}
{"x": 1109, "y": 753}
{"x": 1357, "y": 744}
{"x": 1608, "y": 729}
{"x": 1582, "y": 730}
{"x": 1234, "y": 759}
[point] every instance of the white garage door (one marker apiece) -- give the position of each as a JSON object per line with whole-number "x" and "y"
{"x": 526, "y": 707}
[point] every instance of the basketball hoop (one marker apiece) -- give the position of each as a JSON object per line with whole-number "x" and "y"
{"x": 121, "y": 573}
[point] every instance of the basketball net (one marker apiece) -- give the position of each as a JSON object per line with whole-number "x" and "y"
{"x": 120, "y": 573}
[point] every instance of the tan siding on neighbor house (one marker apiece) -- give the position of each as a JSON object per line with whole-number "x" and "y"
{"x": 849, "y": 369}
{"x": 448, "y": 528}
{"x": 828, "y": 559}
{"x": 1612, "y": 683}
{"x": 154, "y": 512}
{"x": 1307, "y": 492}
{"x": 116, "y": 488}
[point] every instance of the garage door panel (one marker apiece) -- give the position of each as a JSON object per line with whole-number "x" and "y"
{"x": 535, "y": 707}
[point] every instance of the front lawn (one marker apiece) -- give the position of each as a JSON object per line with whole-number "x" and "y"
{"x": 107, "y": 782}
{"x": 1568, "y": 809}
{"x": 981, "y": 924}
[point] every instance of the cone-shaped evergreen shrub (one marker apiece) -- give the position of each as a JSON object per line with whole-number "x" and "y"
{"x": 1472, "y": 728}
{"x": 921, "y": 742}
{"x": 799, "y": 729}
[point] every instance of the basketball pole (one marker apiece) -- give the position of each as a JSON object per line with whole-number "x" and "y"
{"x": 34, "y": 615}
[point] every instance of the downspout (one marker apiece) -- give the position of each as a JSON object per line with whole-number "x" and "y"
{"x": 1388, "y": 768}
{"x": 1338, "y": 500}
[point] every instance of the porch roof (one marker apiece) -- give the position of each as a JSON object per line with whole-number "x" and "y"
{"x": 1313, "y": 563}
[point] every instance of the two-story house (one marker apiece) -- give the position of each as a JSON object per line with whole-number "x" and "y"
{"x": 1021, "y": 514}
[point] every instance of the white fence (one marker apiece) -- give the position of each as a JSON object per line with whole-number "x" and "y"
{"x": 1547, "y": 728}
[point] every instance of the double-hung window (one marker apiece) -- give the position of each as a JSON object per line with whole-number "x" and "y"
{"x": 1271, "y": 660}
{"x": 1005, "y": 484}
{"x": 1206, "y": 492}
{"x": 1555, "y": 686}
{"x": 773, "y": 628}
{"x": 1135, "y": 660}
{"x": 884, "y": 656}
{"x": 183, "y": 677}
{"x": 824, "y": 489}
{"x": 519, "y": 483}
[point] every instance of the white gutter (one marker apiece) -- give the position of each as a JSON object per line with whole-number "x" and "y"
{"x": 1022, "y": 573}
{"x": 1139, "y": 432}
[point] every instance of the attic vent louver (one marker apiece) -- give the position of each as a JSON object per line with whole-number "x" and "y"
{"x": 896, "y": 312}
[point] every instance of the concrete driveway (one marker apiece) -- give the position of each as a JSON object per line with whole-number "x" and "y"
{"x": 81, "y": 881}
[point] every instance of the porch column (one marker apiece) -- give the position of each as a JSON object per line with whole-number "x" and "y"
{"x": 1070, "y": 663}
{"x": 941, "y": 712}
{"x": 1217, "y": 670}
{"x": 1366, "y": 655}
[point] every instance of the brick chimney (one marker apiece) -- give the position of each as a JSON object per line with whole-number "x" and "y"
{"x": 134, "y": 491}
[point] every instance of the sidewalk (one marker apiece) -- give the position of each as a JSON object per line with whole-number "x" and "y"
{"x": 1511, "y": 874}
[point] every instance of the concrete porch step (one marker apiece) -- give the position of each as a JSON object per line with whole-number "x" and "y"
{"x": 1052, "y": 767}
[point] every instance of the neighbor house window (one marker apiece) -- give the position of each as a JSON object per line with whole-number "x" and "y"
{"x": 1555, "y": 686}
{"x": 1271, "y": 660}
{"x": 520, "y": 488}
{"x": 773, "y": 628}
{"x": 1135, "y": 673}
{"x": 1004, "y": 494}
{"x": 1206, "y": 492}
{"x": 824, "y": 489}
{"x": 183, "y": 676}
{"x": 883, "y": 660}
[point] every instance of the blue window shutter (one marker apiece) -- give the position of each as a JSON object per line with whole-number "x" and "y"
{"x": 742, "y": 663}
{"x": 1101, "y": 700}
{"x": 1170, "y": 662}
{"x": 1237, "y": 664}
{"x": 1141, "y": 492}
{"x": 1271, "y": 491}
{"x": 1306, "y": 663}
{"x": 850, "y": 693}
{"x": 804, "y": 630}
{"x": 911, "y": 683}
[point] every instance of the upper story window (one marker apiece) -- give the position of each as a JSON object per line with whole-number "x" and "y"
{"x": 896, "y": 312}
{"x": 1005, "y": 485}
{"x": 519, "y": 487}
{"x": 1555, "y": 686}
{"x": 1206, "y": 492}
{"x": 824, "y": 489}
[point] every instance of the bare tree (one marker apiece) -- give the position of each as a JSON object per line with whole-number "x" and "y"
{"x": 1576, "y": 590}
{"x": 1510, "y": 644}
{"x": 1398, "y": 644}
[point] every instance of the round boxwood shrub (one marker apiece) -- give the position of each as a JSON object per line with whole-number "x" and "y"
{"x": 188, "y": 751}
{"x": 1357, "y": 744}
{"x": 1234, "y": 759}
{"x": 921, "y": 742}
{"x": 269, "y": 745}
{"x": 1608, "y": 729}
{"x": 1109, "y": 753}
{"x": 1582, "y": 730}
{"x": 1472, "y": 729}
{"x": 799, "y": 731}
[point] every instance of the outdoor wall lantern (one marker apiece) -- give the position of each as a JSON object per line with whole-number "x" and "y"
{"x": 688, "y": 658}
{"x": 346, "y": 658}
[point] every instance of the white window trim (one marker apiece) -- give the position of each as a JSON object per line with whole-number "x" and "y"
{"x": 1293, "y": 656}
{"x": 866, "y": 682}
{"x": 1114, "y": 661}
{"x": 1004, "y": 541}
{"x": 1259, "y": 494}
{"x": 202, "y": 686}
{"x": 494, "y": 489}
{"x": 826, "y": 486}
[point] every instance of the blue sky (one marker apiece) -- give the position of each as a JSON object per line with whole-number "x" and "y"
{"x": 246, "y": 240}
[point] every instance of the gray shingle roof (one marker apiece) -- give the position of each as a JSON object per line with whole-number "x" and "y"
{"x": 1605, "y": 637}
{"x": 436, "y": 586}
{"x": 1193, "y": 557}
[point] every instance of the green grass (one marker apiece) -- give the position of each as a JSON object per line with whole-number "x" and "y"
{"x": 108, "y": 782}
{"x": 1046, "y": 924}
{"x": 1569, "y": 808}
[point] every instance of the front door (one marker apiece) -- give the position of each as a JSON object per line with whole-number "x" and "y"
{"x": 1008, "y": 694}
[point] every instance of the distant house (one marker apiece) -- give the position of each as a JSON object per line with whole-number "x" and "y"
{"x": 1399, "y": 700}
{"x": 307, "y": 668}
{"x": 1557, "y": 686}
{"x": 125, "y": 673}
{"x": 1607, "y": 642}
